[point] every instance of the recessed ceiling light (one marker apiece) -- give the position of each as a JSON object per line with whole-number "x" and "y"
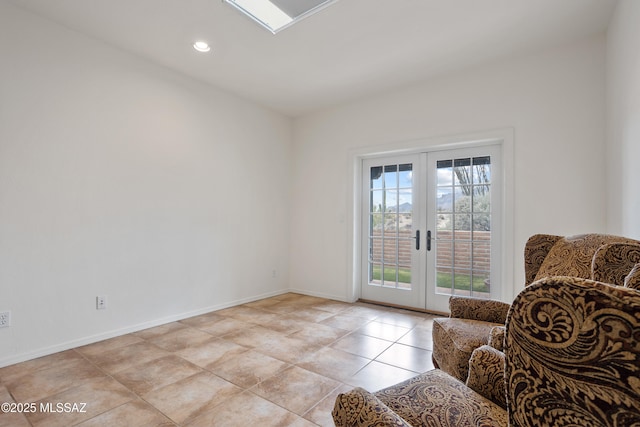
{"x": 201, "y": 46}
{"x": 276, "y": 15}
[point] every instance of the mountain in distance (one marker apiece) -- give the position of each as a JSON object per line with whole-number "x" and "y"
{"x": 405, "y": 207}
{"x": 444, "y": 201}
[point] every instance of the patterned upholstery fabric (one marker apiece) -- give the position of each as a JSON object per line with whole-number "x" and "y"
{"x": 496, "y": 337}
{"x": 430, "y": 399}
{"x": 486, "y": 374}
{"x": 590, "y": 256}
{"x": 573, "y": 355}
{"x": 633, "y": 279}
{"x": 477, "y": 309}
{"x": 573, "y": 256}
{"x": 361, "y": 408}
{"x": 572, "y": 359}
{"x": 613, "y": 262}
{"x": 456, "y": 339}
{"x": 535, "y": 251}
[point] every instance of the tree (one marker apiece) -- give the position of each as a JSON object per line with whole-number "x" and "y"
{"x": 465, "y": 178}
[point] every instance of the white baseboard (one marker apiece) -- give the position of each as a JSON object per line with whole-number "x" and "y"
{"x": 46, "y": 351}
{"x": 321, "y": 295}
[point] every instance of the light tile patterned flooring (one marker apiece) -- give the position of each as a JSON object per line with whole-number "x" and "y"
{"x": 280, "y": 361}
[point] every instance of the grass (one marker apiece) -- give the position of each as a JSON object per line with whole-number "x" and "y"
{"x": 404, "y": 274}
{"x": 461, "y": 281}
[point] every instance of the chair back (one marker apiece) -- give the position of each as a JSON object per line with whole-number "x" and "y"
{"x": 601, "y": 257}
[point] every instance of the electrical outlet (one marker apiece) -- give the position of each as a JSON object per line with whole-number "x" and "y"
{"x": 5, "y": 319}
{"x": 101, "y": 302}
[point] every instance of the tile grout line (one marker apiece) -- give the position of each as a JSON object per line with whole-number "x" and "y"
{"x": 137, "y": 396}
{"x": 383, "y": 317}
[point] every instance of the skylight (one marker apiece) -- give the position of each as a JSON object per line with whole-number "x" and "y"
{"x": 276, "y": 15}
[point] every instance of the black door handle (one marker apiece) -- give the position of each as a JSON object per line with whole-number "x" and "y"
{"x": 428, "y": 240}
{"x": 417, "y": 240}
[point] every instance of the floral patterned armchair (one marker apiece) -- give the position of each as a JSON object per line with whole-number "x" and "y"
{"x": 572, "y": 358}
{"x": 473, "y": 322}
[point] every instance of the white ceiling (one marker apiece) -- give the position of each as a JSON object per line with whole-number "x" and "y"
{"x": 350, "y": 49}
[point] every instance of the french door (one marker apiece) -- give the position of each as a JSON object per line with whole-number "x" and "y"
{"x": 429, "y": 227}
{"x": 393, "y": 222}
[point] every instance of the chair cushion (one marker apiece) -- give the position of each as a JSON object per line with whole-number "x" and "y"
{"x": 633, "y": 278}
{"x": 437, "y": 399}
{"x": 457, "y": 338}
{"x": 572, "y": 256}
{"x": 613, "y": 262}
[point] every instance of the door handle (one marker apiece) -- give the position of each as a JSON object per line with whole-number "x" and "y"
{"x": 428, "y": 240}
{"x": 417, "y": 240}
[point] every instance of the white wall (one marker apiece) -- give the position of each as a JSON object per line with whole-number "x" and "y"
{"x": 555, "y": 102}
{"x": 623, "y": 119}
{"x": 122, "y": 178}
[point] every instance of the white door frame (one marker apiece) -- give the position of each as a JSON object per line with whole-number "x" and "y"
{"x": 505, "y": 137}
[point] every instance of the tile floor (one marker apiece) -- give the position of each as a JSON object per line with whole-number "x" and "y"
{"x": 280, "y": 361}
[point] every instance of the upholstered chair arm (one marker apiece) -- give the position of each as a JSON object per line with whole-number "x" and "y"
{"x": 535, "y": 251}
{"x": 496, "y": 337}
{"x": 573, "y": 344}
{"x": 486, "y": 374}
{"x": 613, "y": 262}
{"x": 478, "y": 309}
{"x": 359, "y": 408}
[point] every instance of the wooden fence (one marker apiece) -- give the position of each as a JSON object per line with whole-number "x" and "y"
{"x": 463, "y": 252}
